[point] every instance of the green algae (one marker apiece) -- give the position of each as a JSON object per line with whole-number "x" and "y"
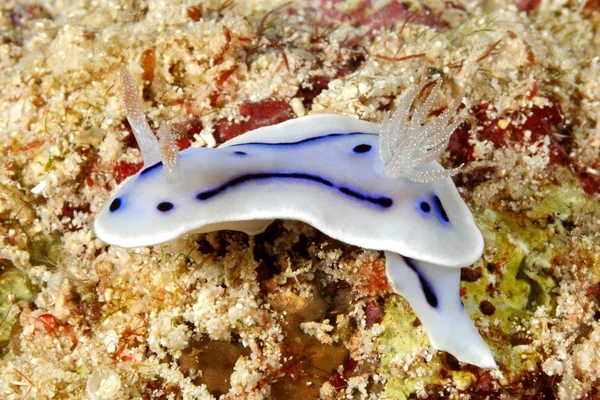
{"x": 401, "y": 337}
{"x": 517, "y": 278}
{"x": 43, "y": 249}
{"x": 16, "y": 291}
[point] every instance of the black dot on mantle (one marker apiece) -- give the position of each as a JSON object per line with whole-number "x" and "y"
{"x": 114, "y": 206}
{"x": 164, "y": 206}
{"x": 362, "y": 148}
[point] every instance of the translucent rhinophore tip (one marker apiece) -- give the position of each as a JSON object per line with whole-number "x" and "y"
{"x": 169, "y": 154}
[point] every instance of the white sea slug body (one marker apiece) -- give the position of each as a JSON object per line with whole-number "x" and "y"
{"x": 378, "y": 187}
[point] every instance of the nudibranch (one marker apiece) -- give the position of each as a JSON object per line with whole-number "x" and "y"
{"x": 377, "y": 187}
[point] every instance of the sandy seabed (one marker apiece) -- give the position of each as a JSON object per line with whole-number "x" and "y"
{"x": 292, "y": 313}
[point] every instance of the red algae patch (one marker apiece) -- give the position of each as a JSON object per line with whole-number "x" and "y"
{"x": 264, "y": 113}
{"x": 124, "y": 169}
